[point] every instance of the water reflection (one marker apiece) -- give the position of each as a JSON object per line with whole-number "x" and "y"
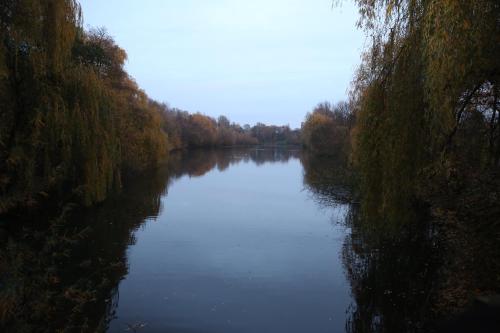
{"x": 62, "y": 273}
{"x": 391, "y": 274}
{"x": 65, "y": 276}
{"x": 196, "y": 163}
{"x": 329, "y": 179}
{"x": 391, "y": 279}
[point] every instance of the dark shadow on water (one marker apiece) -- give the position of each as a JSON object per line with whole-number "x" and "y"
{"x": 61, "y": 273}
{"x": 391, "y": 274}
{"x": 399, "y": 272}
{"x": 197, "y": 162}
{"x": 328, "y": 179}
{"x": 64, "y": 275}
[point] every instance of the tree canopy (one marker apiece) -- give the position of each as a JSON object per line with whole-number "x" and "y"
{"x": 426, "y": 97}
{"x": 72, "y": 120}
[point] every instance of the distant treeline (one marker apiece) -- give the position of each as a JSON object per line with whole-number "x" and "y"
{"x": 73, "y": 122}
{"x": 187, "y": 130}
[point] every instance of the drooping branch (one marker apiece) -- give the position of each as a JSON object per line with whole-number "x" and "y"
{"x": 460, "y": 112}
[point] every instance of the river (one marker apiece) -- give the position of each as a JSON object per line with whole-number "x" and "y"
{"x": 236, "y": 240}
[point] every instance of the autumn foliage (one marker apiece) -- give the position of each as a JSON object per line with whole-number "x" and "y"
{"x": 426, "y": 101}
{"x": 72, "y": 121}
{"x": 326, "y": 131}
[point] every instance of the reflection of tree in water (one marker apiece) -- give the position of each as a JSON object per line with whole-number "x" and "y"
{"x": 391, "y": 277}
{"x": 195, "y": 163}
{"x": 264, "y": 155}
{"x": 390, "y": 274}
{"x": 64, "y": 275}
{"x": 328, "y": 179}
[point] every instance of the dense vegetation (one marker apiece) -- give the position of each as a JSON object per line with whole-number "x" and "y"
{"x": 427, "y": 133}
{"x": 327, "y": 130}
{"x": 187, "y": 130}
{"x": 73, "y": 122}
{"x": 72, "y": 119}
{"x": 427, "y": 105}
{"x": 425, "y": 144}
{"x": 423, "y": 117}
{"x": 421, "y": 129}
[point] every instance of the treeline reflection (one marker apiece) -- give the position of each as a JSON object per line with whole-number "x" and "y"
{"x": 391, "y": 278}
{"x": 195, "y": 163}
{"x": 328, "y": 179}
{"x": 391, "y": 274}
{"x": 62, "y": 273}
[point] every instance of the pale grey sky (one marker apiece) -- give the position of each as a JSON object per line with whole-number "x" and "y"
{"x": 251, "y": 60}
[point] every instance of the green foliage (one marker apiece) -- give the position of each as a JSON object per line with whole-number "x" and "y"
{"x": 426, "y": 100}
{"x": 390, "y": 143}
{"x": 72, "y": 120}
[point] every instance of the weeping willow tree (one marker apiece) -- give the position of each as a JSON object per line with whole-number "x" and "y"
{"x": 426, "y": 99}
{"x": 427, "y": 133}
{"x": 71, "y": 119}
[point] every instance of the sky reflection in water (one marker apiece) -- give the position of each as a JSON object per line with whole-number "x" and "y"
{"x": 240, "y": 248}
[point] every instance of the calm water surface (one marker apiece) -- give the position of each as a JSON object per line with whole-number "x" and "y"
{"x": 247, "y": 240}
{"x": 223, "y": 241}
{"x": 242, "y": 247}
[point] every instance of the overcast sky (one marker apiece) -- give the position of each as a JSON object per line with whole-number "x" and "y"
{"x": 251, "y": 60}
